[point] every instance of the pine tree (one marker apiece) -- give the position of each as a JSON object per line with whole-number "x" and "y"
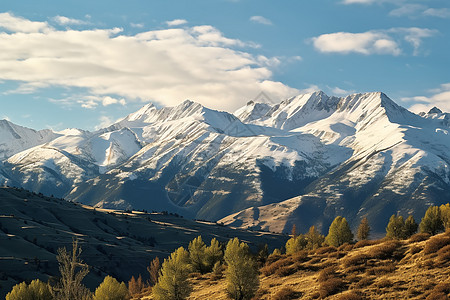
{"x": 111, "y": 289}
{"x": 173, "y": 281}
{"x": 275, "y": 252}
{"x": 242, "y": 271}
{"x": 445, "y": 215}
{"x": 395, "y": 228}
{"x": 314, "y": 238}
{"x": 263, "y": 253}
{"x": 153, "y": 270}
{"x": 294, "y": 231}
{"x": 296, "y": 244}
{"x": 339, "y": 232}
{"x": 36, "y": 290}
{"x": 410, "y": 226}
{"x": 197, "y": 249}
{"x": 135, "y": 286}
{"x": 363, "y": 230}
{"x": 432, "y": 221}
{"x": 213, "y": 254}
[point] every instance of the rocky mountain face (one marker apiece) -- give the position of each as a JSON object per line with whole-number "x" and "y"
{"x": 302, "y": 161}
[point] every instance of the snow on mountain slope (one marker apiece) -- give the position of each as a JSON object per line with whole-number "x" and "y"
{"x": 400, "y": 163}
{"x": 15, "y": 138}
{"x": 201, "y": 161}
{"x": 302, "y": 161}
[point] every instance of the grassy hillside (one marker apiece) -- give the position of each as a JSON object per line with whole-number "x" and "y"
{"x": 417, "y": 268}
{"x": 121, "y": 244}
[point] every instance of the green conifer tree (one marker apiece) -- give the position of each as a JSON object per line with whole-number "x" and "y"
{"x": 363, "y": 230}
{"x": 445, "y": 215}
{"x": 314, "y": 238}
{"x": 396, "y": 228}
{"x": 296, "y": 244}
{"x": 213, "y": 254}
{"x": 173, "y": 281}
{"x": 339, "y": 232}
{"x": 242, "y": 271}
{"x": 197, "y": 250}
{"x": 432, "y": 221}
{"x": 410, "y": 226}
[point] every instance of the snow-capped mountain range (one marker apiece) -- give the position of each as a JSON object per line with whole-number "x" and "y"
{"x": 302, "y": 161}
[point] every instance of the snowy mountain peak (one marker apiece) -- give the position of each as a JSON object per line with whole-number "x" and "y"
{"x": 142, "y": 113}
{"x": 252, "y": 111}
{"x": 15, "y": 138}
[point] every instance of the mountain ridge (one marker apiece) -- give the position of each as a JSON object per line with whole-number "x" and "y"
{"x": 328, "y": 153}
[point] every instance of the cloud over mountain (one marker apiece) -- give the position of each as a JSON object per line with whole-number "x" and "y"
{"x": 165, "y": 66}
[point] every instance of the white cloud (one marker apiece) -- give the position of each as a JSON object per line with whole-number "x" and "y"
{"x": 164, "y": 66}
{"x": 137, "y": 25}
{"x": 104, "y": 122}
{"x": 372, "y": 42}
{"x": 310, "y": 89}
{"x": 341, "y": 92}
{"x": 415, "y": 35}
{"x": 261, "y": 20}
{"x": 61, "y": 20}
{"x": 439, "y": 97}
{"x": 17, "y": 24}
{"x": 88, "y": 103}
{"x": 110, "y": 100}
{"x": 437, "y": 12}
{"x": 176, "y": 22}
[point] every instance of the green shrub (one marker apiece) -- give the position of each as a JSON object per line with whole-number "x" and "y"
{"x": 111, "y": 289}
{"x": 36, "y": 290}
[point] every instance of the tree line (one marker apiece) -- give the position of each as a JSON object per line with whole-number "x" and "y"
{"x": 169, "y": 281}
{"x": 436, "y": 219}
{"x": 234, "y": 260}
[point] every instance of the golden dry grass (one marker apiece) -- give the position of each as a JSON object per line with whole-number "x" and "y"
{"x": 374, "y": 270}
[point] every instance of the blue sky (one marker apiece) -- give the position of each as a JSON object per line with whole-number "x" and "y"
{"x": 85, "y": 64}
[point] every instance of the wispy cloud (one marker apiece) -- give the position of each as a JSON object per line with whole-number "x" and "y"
{"x": 437, "y": 12}
{"x": 104, "y": 121}
{"x": 341, "y": 92}
{"x": 386, "y": 42}
{"x": 61, "y": 20}
{"x": 165, "y": 66}
{"x": 137, "y": 25}
{"x": 406, "y": 9}
{"x": 439, "y": 97}
{"x": 261, "y": 20}
{"x": 176, "y": 22}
